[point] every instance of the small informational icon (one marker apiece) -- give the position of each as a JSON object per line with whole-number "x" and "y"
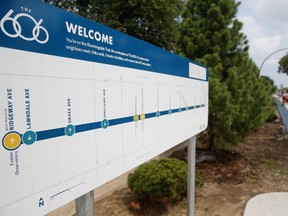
{"x": 11, "y": 140}
{"x": 135, "y": 118}
{"x": 158, "y": 114}
{"x": 69, "y": 130}
{"x": 29, "y": 137}
{"x": 41, "y": 202}
{"x": 142, "y": 117}
{"x": 104, "y": 123}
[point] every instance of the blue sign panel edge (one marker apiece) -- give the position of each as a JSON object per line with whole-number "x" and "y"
{"x": 60, "y": 33}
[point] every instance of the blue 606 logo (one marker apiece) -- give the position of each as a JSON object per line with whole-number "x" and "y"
{"x": 17, "y": 28}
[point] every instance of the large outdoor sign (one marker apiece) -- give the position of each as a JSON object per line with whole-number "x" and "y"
{"x": 81, "y": 104}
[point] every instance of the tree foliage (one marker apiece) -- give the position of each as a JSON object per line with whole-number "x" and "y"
{"x": 74, "y": 6}
{"x": 239, "y": 100}
{"x": 154, "y": 21}
{"x": 283, "y": 65}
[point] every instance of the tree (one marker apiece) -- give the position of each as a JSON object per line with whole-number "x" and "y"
{"x": 268, "y": 80}
{"x": 239, "y": 100}
{"x": 283, "y": 65}
{"x": 74, "y": 6}
{"x": 154, "y": 21}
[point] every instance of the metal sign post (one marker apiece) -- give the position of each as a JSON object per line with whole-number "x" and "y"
{"x": 191, "y": 175}
{"x": 85, "y": 204}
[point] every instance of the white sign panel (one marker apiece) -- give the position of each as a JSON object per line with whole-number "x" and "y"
{"x": 81, "y": 104}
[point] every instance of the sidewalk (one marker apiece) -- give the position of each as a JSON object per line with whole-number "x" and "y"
{"x": 270, "y": 204}
{"x": 283, "y": 111}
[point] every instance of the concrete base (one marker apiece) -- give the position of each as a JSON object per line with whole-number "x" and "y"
{"x": 268, "y": 204}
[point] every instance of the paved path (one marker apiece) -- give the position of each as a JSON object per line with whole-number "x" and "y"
{"x": 283, "y": 110}
{"x": 270, "y": 204}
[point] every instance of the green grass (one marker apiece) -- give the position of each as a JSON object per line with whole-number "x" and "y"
{"x": 275, "y": 165}
{"x": 251, "y": 181}
{"x": 272, "y": 164}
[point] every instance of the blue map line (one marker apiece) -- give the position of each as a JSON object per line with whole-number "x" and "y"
{"x": 175, "y": 110}
{"x": 119, "y": 121}
{"x": 165, "y": 112}
{"x": 87, "y": 127}
{"x": 150, "y": 115}
{"x": 62, "y": 131}
{"x": 48, "y": 134}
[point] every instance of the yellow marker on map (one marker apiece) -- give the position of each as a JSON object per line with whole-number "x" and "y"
{"x": 11, "y": 141}
{"x": 135, "y": 118}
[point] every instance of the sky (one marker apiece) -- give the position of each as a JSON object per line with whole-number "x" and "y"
{"x": 265, "y": 25}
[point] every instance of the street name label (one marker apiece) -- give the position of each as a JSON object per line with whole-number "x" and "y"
{"x": 82, "y": 104}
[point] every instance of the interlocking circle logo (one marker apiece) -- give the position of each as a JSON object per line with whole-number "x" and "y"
{"x": 18, "y": 28}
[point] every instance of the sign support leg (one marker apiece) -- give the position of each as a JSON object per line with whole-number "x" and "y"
{"x": 85, "y": 204}
{"x": 191, "y": 154}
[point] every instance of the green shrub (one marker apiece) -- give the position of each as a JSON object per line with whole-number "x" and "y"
{"x": 272, "y": 116}
{"x": 159, "y": 179}
{"x": 198, "y": 180}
